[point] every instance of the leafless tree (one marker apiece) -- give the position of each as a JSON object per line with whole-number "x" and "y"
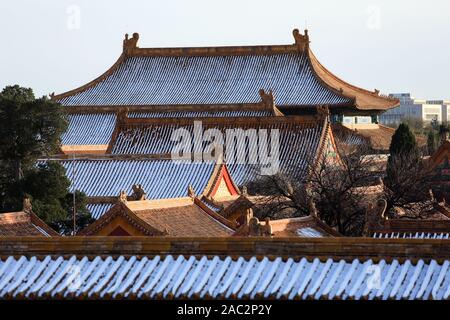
{"x": 336, "y": 189}
{"x": 407, "y": 187}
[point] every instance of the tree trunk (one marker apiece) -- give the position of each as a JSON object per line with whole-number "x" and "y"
{"x": 17, "y": 167}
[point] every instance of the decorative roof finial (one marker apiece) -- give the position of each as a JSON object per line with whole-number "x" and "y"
{"x": 267, "y": 229}
{"x": 267, "y": 99}
{"x": 122, "y": 115}
{"x": 301, "y": 41}
{"x": 191, "y": 191}
{"x": 123, "y": 197}
{"x": 130, "y": 44}
{"x": 323, "y": 110}
{"x": 256, "y": 229}
{"x": 27, "y": 205}
{"x": 138, "y": 192}
{"x": 312, "y": 207}
{"x": 375, "y": 217}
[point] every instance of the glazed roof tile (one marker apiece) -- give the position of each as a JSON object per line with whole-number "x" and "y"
{"x": 160, "y": 178}
{"x": 89, "y": 129}
{"x": 222, "y": 75}
{"x": 140, "y": 80}
{"x": 179, "y": 218}
{"x": 138, "y": 277}
{"x": 23, "y": 224}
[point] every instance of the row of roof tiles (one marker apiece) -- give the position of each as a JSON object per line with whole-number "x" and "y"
{"x": 412, "y": 235}
{"x": 209, "y": 80}
{"x": 221, "y": 75}
{"x": 162, "y": 178}
{"x": 199, "y": 277}
{"x": 97, "y": 128}
{"x": 23, "y": 224}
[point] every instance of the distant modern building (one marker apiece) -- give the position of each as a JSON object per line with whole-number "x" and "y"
{"x": 411, "y": 108}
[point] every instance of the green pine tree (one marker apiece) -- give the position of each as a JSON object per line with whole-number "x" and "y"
{"x": 403, "y": 141}
{"x": 30, "y": 128}
{"x": 403, "y": 153}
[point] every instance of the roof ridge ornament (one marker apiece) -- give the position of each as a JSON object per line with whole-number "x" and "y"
{"x": 267, "y": 99}
{"x": 27, "y": 207}
{"x": 257, "y": 229}
{"x": 312, "y": 208}
{"x": 138, "y": 192}
{"x": 123, "y": 196}
{"x": 130, "y": 44}
{"x": 191, "y": 191}
{"x": 301, "y": 41}
{"x": 375, "y": 217}
{"x": 323, "y": 110}
{"x": 122, "y": 114}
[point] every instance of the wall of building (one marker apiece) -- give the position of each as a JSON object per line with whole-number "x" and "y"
{"x": 410, "y": 108}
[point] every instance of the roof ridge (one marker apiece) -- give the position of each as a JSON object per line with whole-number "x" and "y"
{"x": 7, "y": 216}
{"x": 301, "y": 43}
{"x": 212, "y": 50}
{"x": 122, "y": 210}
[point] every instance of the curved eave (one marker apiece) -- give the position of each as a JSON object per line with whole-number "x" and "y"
{"x": 92, "y": 83}
{"x": 364, "y": 99}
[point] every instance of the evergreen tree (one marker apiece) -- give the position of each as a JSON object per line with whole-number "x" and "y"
{"x": 406, "y": 179}
{"x": 403, "y": 141}
{"x": 29, "y": 129}
{"x": 403, "y": 150}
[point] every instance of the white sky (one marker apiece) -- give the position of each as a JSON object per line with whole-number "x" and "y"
{"x": 395, "y": 46}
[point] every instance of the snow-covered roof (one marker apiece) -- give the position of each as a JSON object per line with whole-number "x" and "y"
{"x": 221, "y": 277}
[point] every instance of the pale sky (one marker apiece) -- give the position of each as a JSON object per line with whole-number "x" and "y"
{"x": 394, "y": 46}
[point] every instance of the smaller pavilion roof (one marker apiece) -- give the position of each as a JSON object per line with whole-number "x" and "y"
{"x": 181, "y": 217}
{"x": 23, "y": 224}
{"x": 441, "y": 155}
